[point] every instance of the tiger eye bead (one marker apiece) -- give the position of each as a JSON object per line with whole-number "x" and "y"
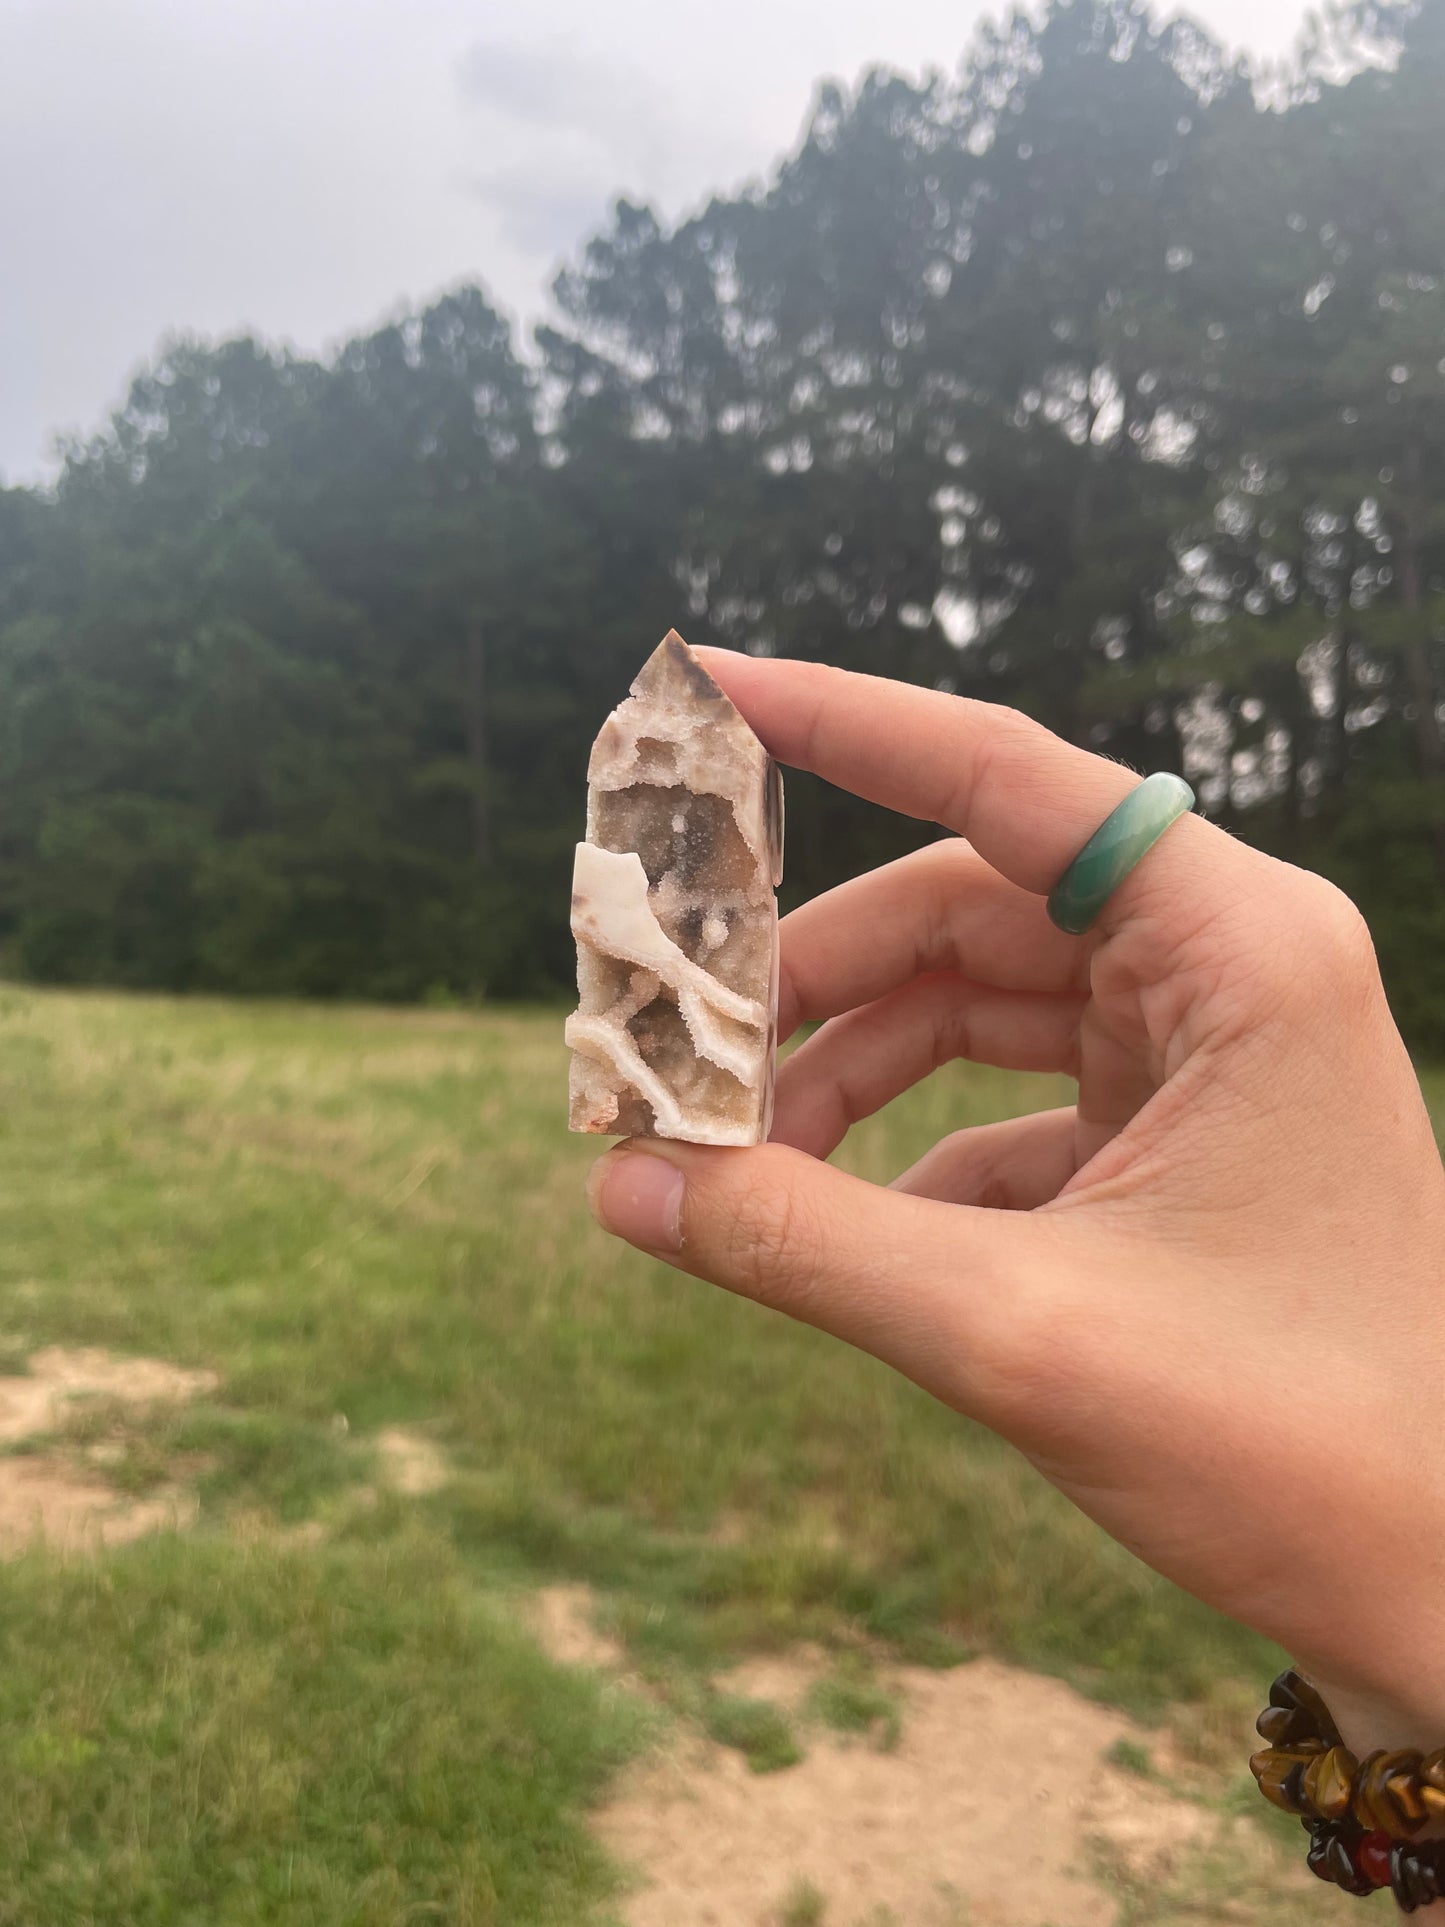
{"x": 1329, "y": 1781}
{"x": 1280, "y": 1776}
{"x": 1286, "y": 1725}
{"x": 1293, "y": 1692}
{"x": 1387, "y": 1788}
{"x": 1362, "y": 1816}
{"x": 1270, "y": 1769}
{"x": 1367, "y": 1812}
{"x": 1402, "y": 1790}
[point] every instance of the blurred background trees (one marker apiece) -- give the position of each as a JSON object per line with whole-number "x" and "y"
{"x": 1086, "y": 382}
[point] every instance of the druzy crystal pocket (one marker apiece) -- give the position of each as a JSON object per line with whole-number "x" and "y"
{"x": 675, "y": 1033}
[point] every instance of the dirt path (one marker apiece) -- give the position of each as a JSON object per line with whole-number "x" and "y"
{"x": 995, "y": 1808}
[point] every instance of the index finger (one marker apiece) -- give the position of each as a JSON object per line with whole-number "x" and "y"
{"x": 1024, "y": 798}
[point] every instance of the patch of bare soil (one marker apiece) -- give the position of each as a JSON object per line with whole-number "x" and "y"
{"x": 59, "y": 1379}
{"x": 561, "y": 1619}
{"x": 43, "y": 1495}
{"x": 42, "y": 1499}
{"x": 997, "y": 1807}
{"x": 411, "y": 1464}
{"x": 993, "y": 1809}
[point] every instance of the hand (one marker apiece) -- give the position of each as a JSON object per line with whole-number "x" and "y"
{"x": 1208, "y": 1302}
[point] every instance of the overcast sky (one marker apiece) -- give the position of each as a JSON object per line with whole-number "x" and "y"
{"x": 302, "y": 167}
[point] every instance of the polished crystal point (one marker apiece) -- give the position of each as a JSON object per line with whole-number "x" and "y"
{"x": 676, "y": 923}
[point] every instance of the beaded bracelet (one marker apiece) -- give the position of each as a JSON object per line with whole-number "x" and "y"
{"x": 1360, "y": 1814}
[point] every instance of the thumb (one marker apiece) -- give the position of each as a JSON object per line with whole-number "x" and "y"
{"x": 948, "y": 1294}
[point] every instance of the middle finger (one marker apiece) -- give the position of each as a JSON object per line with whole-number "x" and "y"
{"x": 864, "y": 1059}
{"x": 942, "y": 908}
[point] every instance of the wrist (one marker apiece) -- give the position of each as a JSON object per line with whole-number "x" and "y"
{"x": 1366, "y": 1608}
{"x": 1370, "y": 1720}
{"x": 1369, "y": 1787}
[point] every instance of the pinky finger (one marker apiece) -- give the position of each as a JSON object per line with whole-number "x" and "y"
{"x": 1013, "y": 1166}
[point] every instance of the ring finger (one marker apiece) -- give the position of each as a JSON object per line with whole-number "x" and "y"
{"x": 1015, "y": 1165}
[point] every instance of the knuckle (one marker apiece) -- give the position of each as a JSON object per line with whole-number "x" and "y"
{"x": 1342, "y": 926}
{"x": 996, "y": 725}
{"x": 944, "y": 870}
{"x": 1004, "y": 720}
{"x": 946, "y": 858}
{"x": 1291, "y": 941}
{"x": 960, "y": 1030}
{"x": 1330, "y": 941}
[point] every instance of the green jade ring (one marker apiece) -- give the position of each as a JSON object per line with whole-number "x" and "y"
{"x": 1125, "y": 835}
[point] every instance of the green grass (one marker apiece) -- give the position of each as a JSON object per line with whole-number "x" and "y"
{"x": 1130, "y": 1757}
{"x": 196, "y": 1730}
{"x": 804, "y": 1906}
{"x": 363, "y": 1218}
{"x": 850, "y": 1700}
{"x": 755, "y": 1727}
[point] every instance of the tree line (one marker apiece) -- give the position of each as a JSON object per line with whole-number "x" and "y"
{"x": 1096, "y": 379}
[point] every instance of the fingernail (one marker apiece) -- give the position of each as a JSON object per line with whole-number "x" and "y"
{"x": 637, "y": 1195}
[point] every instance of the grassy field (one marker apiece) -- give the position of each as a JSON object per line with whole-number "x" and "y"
{"x": 364, "y": 1219}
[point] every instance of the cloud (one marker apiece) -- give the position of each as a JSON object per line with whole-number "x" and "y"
{"x": 559, "y": 90}
{"x": 541, "y": 213}
{"x": 566, "y": 131}
{"x": 541, "y": 85}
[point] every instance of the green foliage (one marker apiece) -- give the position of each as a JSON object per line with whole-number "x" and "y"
{"x": 850, "y": 1700}
{"x": 1080, "y": 382}
{"x": 235, "y": 1734}
{"x": 1130, "y": 1757}
{"x": 756, "y": 1728}
{"x": 1383, "y": 855}
{"x": 803, "y": 1906}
